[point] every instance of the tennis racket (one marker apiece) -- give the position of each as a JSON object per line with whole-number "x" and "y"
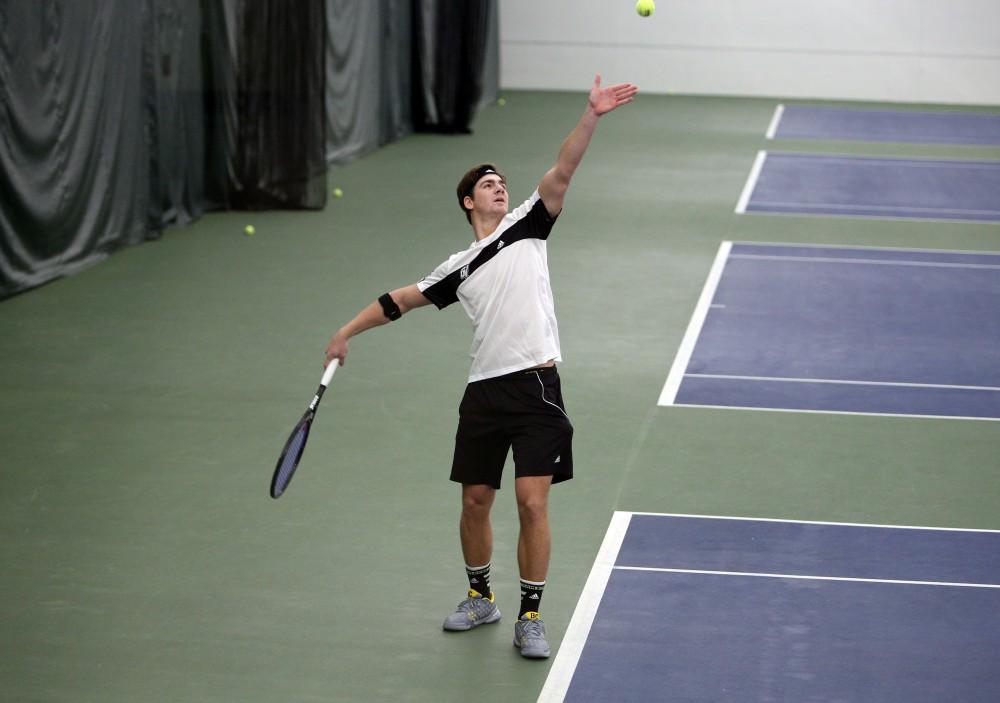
{"x": 296, "y": 444}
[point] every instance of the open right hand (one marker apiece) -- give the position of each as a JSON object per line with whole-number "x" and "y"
{"x": 604, "y": 99}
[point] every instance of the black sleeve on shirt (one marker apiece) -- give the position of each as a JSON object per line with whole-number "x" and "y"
{"x": 539, "y": 221}
{"x": 444, "y": 292}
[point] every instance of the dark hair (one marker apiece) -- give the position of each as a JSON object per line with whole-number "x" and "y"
{"x": 469, "y": 181}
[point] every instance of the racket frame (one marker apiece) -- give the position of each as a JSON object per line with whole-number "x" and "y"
{"x": 303, "y": 425}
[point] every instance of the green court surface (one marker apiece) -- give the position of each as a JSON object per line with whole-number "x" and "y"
{"x": 143, "y": 404}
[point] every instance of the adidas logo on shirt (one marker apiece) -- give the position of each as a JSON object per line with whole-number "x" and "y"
{"x": 500, "y": 245}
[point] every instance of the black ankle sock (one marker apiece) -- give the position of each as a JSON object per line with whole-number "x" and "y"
{"x": 531, "y": 596}
{"x": 479, "y": 579}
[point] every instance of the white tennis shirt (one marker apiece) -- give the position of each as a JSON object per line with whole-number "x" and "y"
{"x": 503, "y": 283}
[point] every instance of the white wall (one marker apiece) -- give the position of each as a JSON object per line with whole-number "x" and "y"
{"x": 945, "y": 51}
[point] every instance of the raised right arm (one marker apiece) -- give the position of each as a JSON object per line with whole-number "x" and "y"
{"x": 372, "y": 315}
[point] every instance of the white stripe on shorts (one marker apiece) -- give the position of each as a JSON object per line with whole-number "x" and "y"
{"x": 538, "y": 375}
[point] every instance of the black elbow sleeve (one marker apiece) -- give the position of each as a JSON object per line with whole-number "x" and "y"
{"x": 389, "y": 307}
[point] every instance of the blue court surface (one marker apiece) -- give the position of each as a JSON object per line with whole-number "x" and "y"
{"x": 859, "y": 186}
{"x": 697, "y": 608}
{"x": 924, "y": 127}
{"x": 849, "y": 330}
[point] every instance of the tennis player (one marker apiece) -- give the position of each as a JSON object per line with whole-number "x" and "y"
{"x": 513, "y": 398}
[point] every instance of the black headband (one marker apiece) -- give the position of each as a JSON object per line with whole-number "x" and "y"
{"x": 484, "y": 171}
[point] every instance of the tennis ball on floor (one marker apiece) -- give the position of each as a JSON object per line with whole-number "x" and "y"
{"x": 249, "y": 230}
{"x": 338, "y": 193}
{"x": 645, "y": 7}
{"x": 501, "y": 102}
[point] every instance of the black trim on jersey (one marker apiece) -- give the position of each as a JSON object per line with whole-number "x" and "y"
{"x": 535, "y": 225}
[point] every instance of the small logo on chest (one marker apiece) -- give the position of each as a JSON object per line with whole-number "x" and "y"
{"x": 464, "y": 273}
{"x": 500, "y": 244}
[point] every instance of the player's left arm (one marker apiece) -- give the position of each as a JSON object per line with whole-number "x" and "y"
{"x": 601, "y": 101}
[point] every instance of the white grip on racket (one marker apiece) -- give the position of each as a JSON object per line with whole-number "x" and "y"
{"x": 331, "y": 369}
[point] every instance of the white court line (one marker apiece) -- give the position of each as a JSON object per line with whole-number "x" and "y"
{"x": 875, "y": 208}
{"x": 676, "y": 375}
{"x": 864, "y": 247}
{"x": 758, "y": 164}
{"x": 739, "y": 518}
{"x": 702, "y": 406}
{"x": 881, "y": 262}
{"x": 576, "y": 635}
{"x": 906, "y": 113}
{"x": 872, "y": 216}
{"x": 781, "y": 379}
{"x": 977, "y": 164}
{"x": 772, "y": 128}
{"x": 806, "y": 577}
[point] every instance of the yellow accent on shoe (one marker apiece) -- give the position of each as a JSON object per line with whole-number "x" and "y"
{"x": 531, "y": 615}
{"x": 473, "y": 593}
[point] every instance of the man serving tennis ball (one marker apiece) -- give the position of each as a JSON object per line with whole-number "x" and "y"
{"x": 513, "y": 398}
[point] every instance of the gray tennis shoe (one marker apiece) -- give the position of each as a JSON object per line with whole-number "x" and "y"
{"x": 529, "y": 637}
{"x": 472, "y": 612}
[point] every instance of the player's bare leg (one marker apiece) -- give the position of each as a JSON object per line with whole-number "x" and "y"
{"x": 534, "y": 545}
{"x": 476, "y": 534}
{"x": 475, "y": 529}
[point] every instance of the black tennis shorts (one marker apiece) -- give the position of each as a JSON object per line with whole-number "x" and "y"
{"x": 523, "y": 410}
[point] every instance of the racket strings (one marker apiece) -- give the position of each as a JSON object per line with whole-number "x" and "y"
{"x": 290, "y": 459}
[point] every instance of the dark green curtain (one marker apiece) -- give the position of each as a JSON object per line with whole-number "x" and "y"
{"x": 74, "y": 161}
{"x": 265, "y": 103}
{"x": 451, "y": 52}
{"x": 398, "y": 65}
{"x": 368, "y": 75}
{"x": 174, "y": 111}
{"x": 119, "y": 118}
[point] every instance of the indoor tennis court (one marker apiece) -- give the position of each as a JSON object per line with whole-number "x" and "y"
{"x": 144, "y": 401}
{"x": 856, "y": 330}
{"x": 797, "y": 610}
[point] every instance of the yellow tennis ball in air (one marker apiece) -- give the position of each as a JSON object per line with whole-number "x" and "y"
{"x": 338, "y": 193}
{"x": 645, "y": 7}
{"x": 501, "y": 102}
{"x": 249, "y": 230}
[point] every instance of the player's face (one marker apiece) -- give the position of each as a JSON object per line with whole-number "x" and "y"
{"x": 490, "y": 195}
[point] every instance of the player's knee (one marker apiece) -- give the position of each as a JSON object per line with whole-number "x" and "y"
{"x": 532, "y": 509}
{"x": 476, "y": 500}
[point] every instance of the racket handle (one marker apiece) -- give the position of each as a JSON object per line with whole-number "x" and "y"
{"x": 331, "y": 369}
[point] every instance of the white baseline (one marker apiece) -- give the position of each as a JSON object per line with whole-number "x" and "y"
{"x": 679, "y": 367}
